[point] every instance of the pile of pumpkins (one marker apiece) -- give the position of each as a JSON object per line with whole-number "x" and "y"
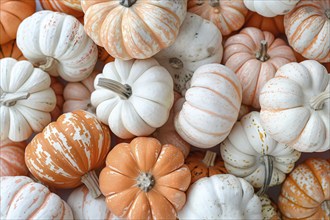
{"x": 169, "y": 109}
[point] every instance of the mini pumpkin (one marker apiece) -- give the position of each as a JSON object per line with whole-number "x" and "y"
{"x": 227, "y": 15}
{"x": 305, "y": 194}
{"x": 104, "y": 56}
{"x": 295, "y": 106}
{"x": 155, "y": 27}
{"x": 10, "y": 49}
{"x": 21, "y": 198}
{"x": 58, "y": 44}
{"x": 57, "y": 86}
{"x": 64, "y": 6}
{"x": 271, "y": 8}
{"x": 133, "y": 97}
{"x": 255, "y": 56}
{"x": 68, "y": 151}
{"x": 269, "y": 209}
{"x": 151, "y": 184}
{"x": 12, "y": 159}
{"x": 26, "y": 99}
{"x": 204, "y": 164}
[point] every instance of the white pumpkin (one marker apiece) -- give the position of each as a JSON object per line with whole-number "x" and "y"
{"x": 133, "y": 97}
{"x": 211, "y": 106}
{"x": 221, "y": 196}
{"x": 26, "y": 99}
{"x": 249, "y": 152}
{"x": 270, "y": 8}
{"x": 21, "y": 198}
{"x": 295, "y": 106}
{"x": 57, "y": 43}
{"x": 269, "y": 209}
{"x": 199, "y": 42}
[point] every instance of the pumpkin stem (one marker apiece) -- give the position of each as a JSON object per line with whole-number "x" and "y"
{"x": 214, "y": 3}
{"x": 145, "y": 181}
{"x": 318, "y": 101}
{"x": 176, "y": 63}
{"x": 209, "y": 158}
{"x": 268, "y": 162}
{"x": 262, "y": 53}
{"x": 124, "y": 91}
{"x": 92, "y": 183}
{"x": 10, "y": 99}
{"x": 49, "y": 66}
{"x": 127, "y": 3}
{"x": 327, "y": 13}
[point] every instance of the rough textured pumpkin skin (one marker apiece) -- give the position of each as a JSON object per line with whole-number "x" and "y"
{"x": 12, "y": 159}
{"x": 305, "y": 194}
{"x": 58, "y": 89}
{"x": 67, "y": 149}
{"x": 119, "y": 181}
{"x": 61, "y": 6}
{"x": 10, "y": 49}
{"x": 12, "y": 13}
{"x": 269, "y": 209}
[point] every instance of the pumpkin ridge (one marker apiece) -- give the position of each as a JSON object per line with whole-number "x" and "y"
{"x": 299, "y": 206}
{"x": 5, "y": 161}
{"x": 40, "y": 207}
{"x": 311, "y": 168}
{"x": 16, "y": 194}
{"x": 165, "y": 9}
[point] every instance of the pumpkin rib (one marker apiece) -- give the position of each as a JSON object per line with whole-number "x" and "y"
{"x": 233, "y": 84}
{"x": 310, "y": 167}
{"x": 16, "y": 194}
{"x": 314, "y": 39}
{"x": 40, "y": 207}
{"x": 299, "y": 206}
{"x": 294, "y": 35}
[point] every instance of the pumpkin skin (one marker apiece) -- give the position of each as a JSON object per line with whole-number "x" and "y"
{"x": 10, "y": 49}
{"x": 307, "y": 29}
{"x": 77, "y": 95}
{"x": 291, "y": 106}
{"x": 255, "y": 56}
{"x": 199, "y": 42}
{"x": 58, "y": 89}
{"x": 204, "y": 164}
{"x": 12, "y": 13}
{"x": 248, "y": 149}
{"x": 211, "y": 106}
{"x": 305, "y": 194}
{"x": 269, "y": 209}
{"x": 65, "y": 154}
{"x": 26, "y": 99}
{"x": 227, "y": 15}
{"x": 271, "y": 8}
{"x": 12, "y": 159}
{"x": 104, "y": 56}
{"x": 61, "y": 6}
{"x": 151, "y": 184}
{"x": 142, "y": 102}
{"x": 221, "y": 196}
{"x": 71, "y": 54}
{"x": 155, "y": 27}
{"x": 75, "y": 4}
{"x": 21, "y": 198}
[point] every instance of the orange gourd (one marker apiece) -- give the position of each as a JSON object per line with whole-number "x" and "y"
{"x": 10, "y": 49}
{"x": 104, "y": 56}
{"x": 145, "y": 180}
{"x": 12, "y": 13}
{"x": 305, "y": 194}
{"x": 61, "y": 6}
{"x": 12, "y": 159}
{"x": 68, "y": 151}
{"x": 204, "y": 164}
{"x": 58, "y": 87}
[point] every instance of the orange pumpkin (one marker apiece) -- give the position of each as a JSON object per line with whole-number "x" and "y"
{"x": 66, "y": 153}
{"x": 58, "y": 89}
{"x": 12, "y": 13}
{"x": 104, "y": 56}
{"x": 10, "y": 49}
{"x": 12, "y": 159}
{"x": 305, "y": 194}
{"x": 61, "y": 6}
{"x": 227, "y": 15}
{"x": 204, "y": 164}
{"x": 74, "y": 4}
{"x": 145, "y": 180}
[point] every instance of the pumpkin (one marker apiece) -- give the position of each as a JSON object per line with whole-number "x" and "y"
{"x": 133, "y": 97}
{"x": 244, "y": 110}
{"x": 211, "y": 106}
{"x": 62, "y": 6}
{"x": 151, "y": 184}
{"x": 12, "y": 159}
{"x": 75, "y": 4}
{"x": 221, "y": 196}
{"x": 307, "y": 29}
{"x": 104, "y": 56}
{"x": 77, "y": 95}
{"x": 68, "y": 151}
{"x": 199, "y": 42}
{"x": 57, "y": 43}
{"x": 271, "y": 8}
{"x": 10, "y": 49}
{"x": 58, "y": 89}
{"x": 249, "y": 152}
{"x": 274, "y": 25}
{"x": 269, "y": 209}
{"x": 204, "y": 164}
{"x": 21, "y": 198}
{"x": 167, "y": 134}
{"x": 295, "y": 106}
{"x": 255, "y": 56}
{"x": 227, "y": 15}
{"x": 26, "y": 99}
{"x": 305, "y": 194}
{"x": 12, "y": 13}
{"x": 143, "y": 28}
